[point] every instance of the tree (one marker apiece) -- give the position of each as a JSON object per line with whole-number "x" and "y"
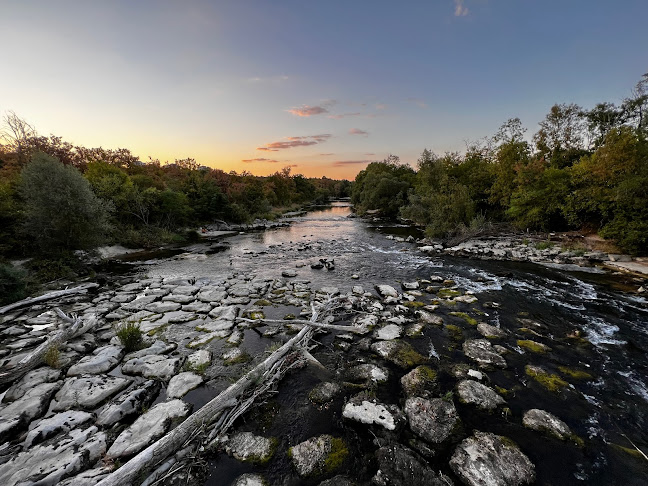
{"x": 561, "y": 138}
{"x": 60, "y": 210}
{"x": 16, "y": 134}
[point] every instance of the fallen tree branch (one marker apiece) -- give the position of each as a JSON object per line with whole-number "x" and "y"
{"x": 81, "y": 289}
{"x": 224, "y": 408}
{"x": 320, "y": 325}
{"x": 76, "y": 328}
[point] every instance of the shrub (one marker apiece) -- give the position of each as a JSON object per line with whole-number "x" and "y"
{"x": 51, "y": 357}
{"x": 13, "y": 285}
{"x": 130, "y": 336}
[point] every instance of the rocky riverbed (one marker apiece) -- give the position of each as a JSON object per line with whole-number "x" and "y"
{"x": 445, "y": 378}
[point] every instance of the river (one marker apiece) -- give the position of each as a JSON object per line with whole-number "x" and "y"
{"x": 608, "y": 410}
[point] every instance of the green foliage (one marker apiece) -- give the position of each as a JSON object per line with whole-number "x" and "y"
{"x": 130, "y": 335}
{"x": 543, "y": 245}
{"x": 52, "y": 357}
{"x": 13, "y": 284}
{"x": 60, "y": 209}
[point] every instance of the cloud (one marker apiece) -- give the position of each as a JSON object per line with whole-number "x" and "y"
{"x": 260, "y": 159}
{"x": 370, "y": 154}
{"x": 342, "y": 163}
{"x": 460, "y": 10}
{"x": 344, "y": 115}
{"x": 418, "y": 102}
{"x": 357, "y": 131}
{"x": 381, "y": 106}
{"x": 325, "y": 155}
{"x": 306, "y": 110}
{"x": 267, "y": 79}
{"x": 295, "y": 142}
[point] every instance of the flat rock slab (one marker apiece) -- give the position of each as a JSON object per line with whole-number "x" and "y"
{"x": 309, "y": 457}
{"x": 225, "y": 313}
{"x": 19, "y": 413}
{"x": 489, "y": 459}
{"x": 474, "y": 393}
{"x": 429, "y": 318}
{"x": 482, "y": 351}
{"x": 153, "y": 366}
{"x": 181, "y": 383}
{"x": 215, "y": 326}
{"x": 127, "y": 404}
{"x": 49, "y": 464}
{"x": 248, "y": 447}
{"x": 388, "y": 332}
{"x": 387, "y": 291}
{"x": 399, "y": 466}
{"x": 433, "y": 420}
{"x": 61, "y": 422}
{"x": 158, "y": 347}
{"x": 199, "y": 359}
{"x": 370, "y": 411}
{"x": 542, "y": 421}
{"x": 211, "y": 296}
{"x": 102, "y": 360}
{"x": 87, "y": 391}
{"x": 162, "y": 307}
{"x": 148, "y": 428}
{"x": 31, "y": 380}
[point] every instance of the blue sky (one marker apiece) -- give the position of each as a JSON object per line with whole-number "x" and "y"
{"x": 325, "y": 87}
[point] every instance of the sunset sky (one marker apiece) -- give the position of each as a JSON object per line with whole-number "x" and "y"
{"x": 323, "y": 86}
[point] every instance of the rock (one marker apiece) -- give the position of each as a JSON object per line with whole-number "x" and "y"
{"x": 543, "y": 421}
{"x": 178, "y": 298}
{"x": 31, "y": 380}
{"x": 47, "y": 465}
{"x": 370, "y": 411}
{"x": 324, "y": 392}
{"x": 162, "y": 307}
{"x": 127, "y": 404}
{"x": 102, "y": 360}
{"x": 388, "y": 332}
{"x": 489, "y": 459}
{"x": 240, "y": 290}
{"x": 181, "y": 383}
{"x": 88, "y": 477}
{"x": 410, "y": 285}
{"x": 148, "y": 428}
{"x": 481, "y": 351}
{"x": 331, "y": 291}
{"x": 337, "y": 481}
{"x": 318, "y": 455}
{"x": 49, "y": 427}
{"x": 289, "y": 273}
{"x": 83, "y": 344}
{"x": 387, "y": 291}
{"x": 474, "y": 393}
{"x": 247, "y": 447}
{"x": 225, "y": 313}
{"x": 233, "y": 356}
{"x": 158, "y": 347}
{"x": 250, "y": 479}
{"x": 420, "y": 382}
{"x": 199, "y": 360}
{"x": 429, "y": 318}
{"x": 87, "y": 391}
{"x": 153, "y": 366}
{"x": 489, "y": 331}
{"x": 399, "y": 466}
{"x": 368, "y": 373}
{"x": 398, "y": 352}
{"x": 433, "y": 420}
{"x": 215, "y": 326}
{"x": 211, "y": 296}
{"x": 19, "y": 413}
{"x": 466, "y": 299}
{"x": 138, "y": 304}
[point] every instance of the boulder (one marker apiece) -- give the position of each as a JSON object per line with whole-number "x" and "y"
{"x": 369, "y": 373}
{"x": 489, "y": 331}
{"x": 19, "y": 413}
{"x": 102, "y": 360}
{"x": 31, "y": 380}
{"x": 370, "y": 411}
{"x": 542, "y": 421}
{"x": 128, "y": 403}
{"x": 318, "y": 455}
{"x": 49, "y": 427}
{"x": 181, "y": 383}
{"x": 388, "y": 332}
{"x": 158, "y": 347}
{"x": 162, "y": 307}
{"x": 87, "y": 391}
{"x": 489, "y": 459}
{"x": 474, "y": 393}
{"x": 324, "y": 392}
{"x": 387, "y": 291}
{"x": 148, "y": 428}
{"x": 400, "y": 466}
{"x": 481, "y": 351}
{"x": 433, "y": 420}
{"x": 247, "y": 447}
{"x": 398, "y": 352}
{"x": 420, "y": 382}
{"x": 250, "y": 479}
{"x": 153, "y": 366}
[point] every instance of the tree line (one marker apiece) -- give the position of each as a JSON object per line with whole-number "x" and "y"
{"x": 582, "y": 170}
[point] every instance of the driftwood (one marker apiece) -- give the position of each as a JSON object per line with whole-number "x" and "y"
{"x": 321, "y": 325}
{"x": 81, "y": 289}
{"x": 218, "y": 414}
{"x": 75, "y": 328}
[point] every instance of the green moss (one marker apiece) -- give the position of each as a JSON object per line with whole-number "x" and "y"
{"x": 448, "y": 293}
{"x": 255, "y": 315}
{"x": 279, "y": 291}
{"x": 52, "y": 356}
{"x": 407, "y": 357}
{"x": 198, "y": 369}
{"x": 241, "y": 358}
{"x": 503, "y": 391}
{"x": 627, "y": 450}
{"x": 414, "y": 305}
{"x": 575, "y": 374}
{"x": 337, "y": 456}
{"x": 533, "y": 346}
{"x": 470, "y": 320}
{"x": 263, "y": 303}
{"x": 289, "y": 317}
{"x": 509, "y": 442}
{"x": 479, "y": 312}
{"x": 577, "y": 440}
{"x": 550, "y": 381}
{"x": 455, "y": 332}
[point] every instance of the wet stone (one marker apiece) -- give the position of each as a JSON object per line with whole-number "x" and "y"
{"x": 400, "y": 466}
{"x": 61, "y": 422}
{"x": 489, "y": 459}
{"x": 199, "y": 359}
{"x": 420, "y": 382}
{"x": 324, "y": 392}
{"x": 247, "y": 447}
{"x": 368, "y": 373}
{"x": 162, "y": 307}
{"x": 481, "y": 351}
{"x": 398, "y": 352}
{"x": 127, "y": 404}
{"x": 433, "y": 420}
{"x": 370, "y": 411}
{"x": 489, "y": 331}
{"x": 310, "y": 457}
{"x": 148, "y": 428}
{"x": 542, "y": 421}
{"x": 178, "y": 299}
{"x": 388, "y": 332}
{"x": 250, "y": 479}
{"x": 429, "y": 318}
{"x": 87, "y": 392}
{"x": 158, "y": 347}
{"x": 182, "y": 383}
{"x": 474, "y": 393}
{"x": 387, "y": 291}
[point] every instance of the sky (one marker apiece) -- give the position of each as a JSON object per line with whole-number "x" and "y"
{"x": 324, "y": 87}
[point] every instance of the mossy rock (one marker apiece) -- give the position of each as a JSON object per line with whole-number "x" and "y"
{"x": 422, "y": 381}
{"x": 627, "y": 450}
{"x": 575, "y": 374}
{"x": 448, "y": 293}
{"x": 470, "y": 320}
{"x": 263, "y": 303}
{"x": 400, "y": 353}
{"x": 550, "y": 381}
{"x": 255, "y": 315}
{"x": 290, "y": 317}
{"x": 318, "y": 456}
{"x": 414, "y": 304}
{"x": 455, "y": 332}
{"x": 279, "y": 291}
{"x": 533, "y": 346}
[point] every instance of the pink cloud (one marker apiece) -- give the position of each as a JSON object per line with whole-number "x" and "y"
{"x": 295, "y": 142}
{"x": 357, "y": 131}
{"x": 260, "y": 159}
{"x": 308, "y": 110}
{"x": 344, "y": 115}
{"x": 342, "y": 163}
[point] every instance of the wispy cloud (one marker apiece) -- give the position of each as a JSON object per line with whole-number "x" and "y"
{"x": 260, "y": 159}
{"x": 291, "y": 142}
{"x": 326, "y": 155}
{"x": 307, "y": 110}
{"x": 344, "y": 115}
{"x": 266, "y": 79}
{"x": 380, "y": 106}
{"x": 460, "y": 9}
{"x": 357, "y": 131}
{"x": 342, "y": 163}
{"x": 418, "y": 102}
{"x": 369, "y": 154}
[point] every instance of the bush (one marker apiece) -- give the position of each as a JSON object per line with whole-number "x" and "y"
{"x": 13, "y": 284}
{"x": 130, "y": 336}
{"x": 51, "y": 357}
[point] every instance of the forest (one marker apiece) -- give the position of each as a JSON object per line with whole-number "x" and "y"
{"x": 583, "y": 170}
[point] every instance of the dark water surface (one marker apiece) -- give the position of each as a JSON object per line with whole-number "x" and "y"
{"x": 607, "y": 411}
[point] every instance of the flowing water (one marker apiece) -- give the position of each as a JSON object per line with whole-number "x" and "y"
{"x": 609, "y": 411}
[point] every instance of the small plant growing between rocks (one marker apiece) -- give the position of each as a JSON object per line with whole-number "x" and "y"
{"x": 51, "y": 357}
{"x": 543, "y": 245}
{"x": 130, "y": 335}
